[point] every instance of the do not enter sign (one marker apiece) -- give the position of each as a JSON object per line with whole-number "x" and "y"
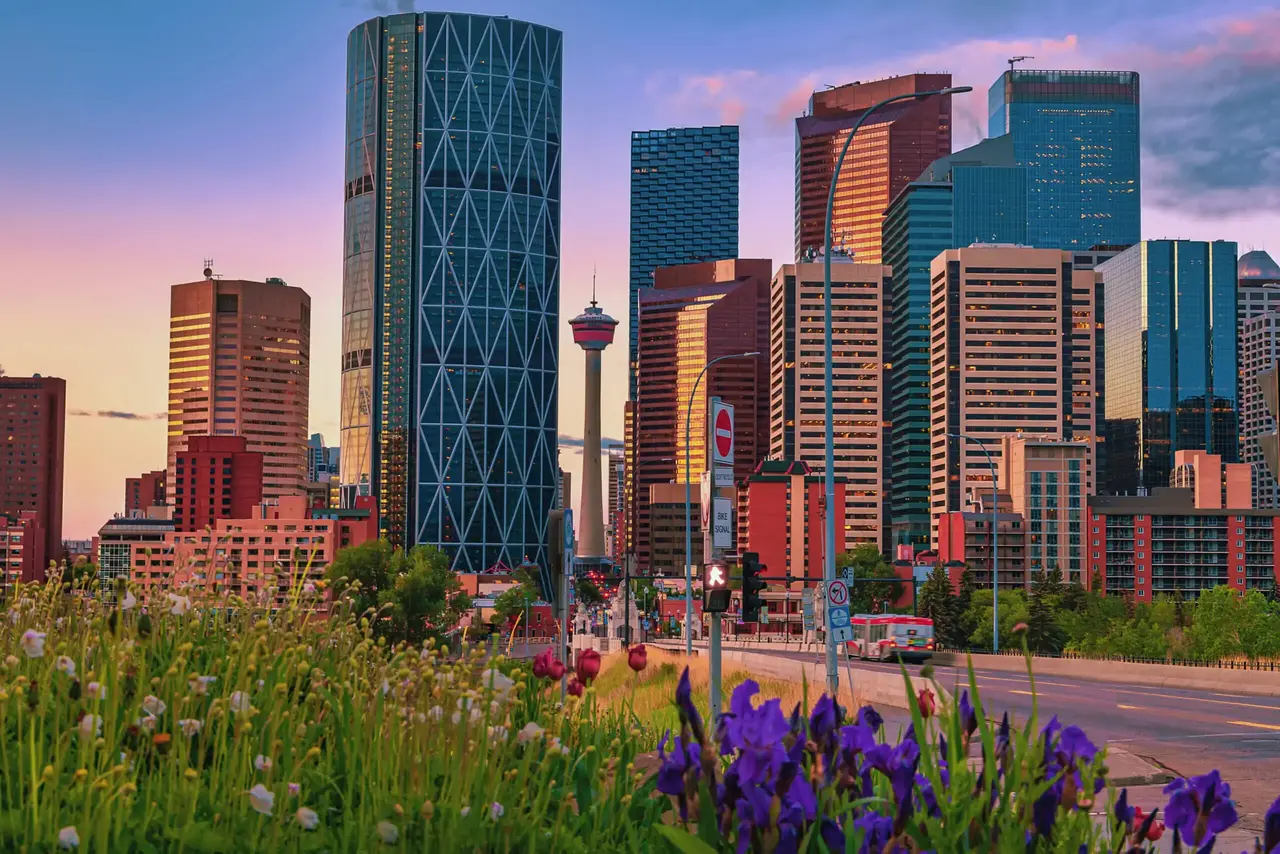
{"x": 721, "y": 432}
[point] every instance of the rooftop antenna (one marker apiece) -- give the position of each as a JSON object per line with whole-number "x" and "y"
{"x": 593, "y": 285}
{"x": 1016, "y": 59}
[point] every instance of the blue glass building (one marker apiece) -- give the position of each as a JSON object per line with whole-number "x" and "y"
{"x": 1076, "y": 132}
{"x": 977, "y": 195}
{"x": 451, "y": 282}
{"x": 684, "y": 205}
{"x": 1172, "y": 350}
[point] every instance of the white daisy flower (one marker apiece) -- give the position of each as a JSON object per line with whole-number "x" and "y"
{"x": 261, "y": 799}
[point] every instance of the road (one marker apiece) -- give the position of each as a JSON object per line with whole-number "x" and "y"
{"x": 1187, "y": 732}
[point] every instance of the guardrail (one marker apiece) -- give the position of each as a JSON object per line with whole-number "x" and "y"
{"x": 1221, "y": 664}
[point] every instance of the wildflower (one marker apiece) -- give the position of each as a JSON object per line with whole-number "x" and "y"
{"x": 427, "y": 811}
{"x": 499, "y": 682}
{"x": 307, "y": 818}
{"x": 638, "y": 658}
{"x": 91, "y": 725}
{"x": 436, "y": 713}
{"x": 588, "y": 665}
{"x": 968, "y": 715}
{"x": 1147, "y": 826}
{"x": 1200, "y": 808}
{"x": 530, "y": 732}
{"x": 261, "y": 799}
{"x": 153, "y": 706}
{"x": 239, "y": 701}
{"x": 497, "y": 734}
{"x": 190, "y": 727}
{"x": 496, "y": 810}
{"x": 555, "y": 746}
{"x": 161, "y": 741}
{"x": 33, "y": 643}
{"x": 308, "y": 588}
{"x": 262, "y": 763}
{"x": 14, "y": 615}
{"x": 575, "y": 688}
{"x": 66, "y": 665}
{"x": 464, "y": 812}
{"x": 11, "y": 661}
{"x": 179, "y": 605}
{"x": 1020, "y": 628}
{"x": 541, "y": 664}
{"x": 128, "y": 601}
{"x": 387, "y": 832}
{"x": 689, "y": 714}
{"x": 68, "y": 838}
{"x": 556, "y": 670}
{"x": 96, "y": 691}
{"x": 1271, "y": 828}
{"x": 200, "y": 685}
{"x": 146, "y": 724}
{"x": 925, "y": 703}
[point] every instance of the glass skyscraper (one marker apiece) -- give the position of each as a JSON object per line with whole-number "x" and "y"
{"x": 976, "y": 195}
{"x": 1172, "y": 348}
{"x": 1076, "y": 132}
{"x": 451, "y": 282}
{"x": 684, "y": 206}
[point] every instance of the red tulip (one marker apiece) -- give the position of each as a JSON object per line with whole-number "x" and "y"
{"x": 541, "y": 664}
{"x": 575, "y": 687}
{"x": 555, "y": 669}
{"x": 638, "y": 658}
{"x": 1020, "y": 627}
{"x": 925, "y": 702}
{"x": 588, "y": 665}
{"x": 1154, "y": 832}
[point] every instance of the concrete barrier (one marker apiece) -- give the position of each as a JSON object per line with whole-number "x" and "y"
{"x": 1256, "y": 683}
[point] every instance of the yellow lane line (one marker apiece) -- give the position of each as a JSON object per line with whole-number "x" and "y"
{"x": 1103, "y": 686}
{"x": 1026, "y": 693}
{"x": 1272, "y": 727}
{"x": 1130, "y": 708}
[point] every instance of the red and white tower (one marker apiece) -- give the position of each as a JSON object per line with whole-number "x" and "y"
{"x": 592, "y": 331}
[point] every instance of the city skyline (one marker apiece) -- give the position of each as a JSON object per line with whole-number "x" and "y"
{"x": 255, "y": 182}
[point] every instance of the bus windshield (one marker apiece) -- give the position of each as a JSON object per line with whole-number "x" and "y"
{"x": 912, "y": 631}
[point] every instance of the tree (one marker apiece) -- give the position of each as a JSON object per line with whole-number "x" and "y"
{"x": 588, "y": 594}
{"x": 1074, "y": 597}
{"x": 868, "y": 567}
{"x": 367, "y": 568}
{"x": 1044, "y": 635}
{"x": 1214, "y": 628}
{"x": 938, "y": 603}
{"x": 514, "y": 601}
{"x": 80, "y": 574}
{"x": 966, "y": 622}
{"x": 1013, "y": 610}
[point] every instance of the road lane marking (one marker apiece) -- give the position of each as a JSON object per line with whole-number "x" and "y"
{"x": 1234, "y": 734}
{"x": 1271, "y": 727}
{"x": 1027, "y": 693}
{"x": 1130, "y": 708}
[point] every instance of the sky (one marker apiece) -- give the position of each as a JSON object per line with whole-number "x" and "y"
{"x": 138, "y": 138}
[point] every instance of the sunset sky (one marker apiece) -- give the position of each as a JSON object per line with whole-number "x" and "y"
{"x": 138, "y": 138}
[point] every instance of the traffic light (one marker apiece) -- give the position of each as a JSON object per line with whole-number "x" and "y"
{"x": 752, "y": 585}
{"x": 715, "y": 588}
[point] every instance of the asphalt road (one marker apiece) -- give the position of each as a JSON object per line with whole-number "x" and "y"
{"x": 1187, "y": 732}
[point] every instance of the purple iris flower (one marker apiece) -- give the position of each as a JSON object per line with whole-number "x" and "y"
{"x": 1271, "y": 829}
{"x": 927, "y": 797}
{"x": 968, "y": 714}
{"x": 788, "y": 840}
{"x": 869, "y": 716}
{"x": 1044, "y": 812}
{"x": 877, "y": 831}
{"x": 1122, "y": 811}
{"x": 746, "y": 726}
{"x": 689, "y": 714}
{"x": 822, "y": 720}
{"x": 1200, "y": 808}
{"x": 675, "y": 764}
{"x": 832, "y": 835}
{"x": 1075, "y": 746}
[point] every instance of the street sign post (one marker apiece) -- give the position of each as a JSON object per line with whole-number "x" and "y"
{"x": 721, "y": 433}
{"x": 838, "y": 612}
{"x": 721, "y": 524}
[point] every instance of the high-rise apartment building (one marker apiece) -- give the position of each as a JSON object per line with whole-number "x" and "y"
{"x": 781, "y": 517}
{"x": 1259, "y": 284}
{"x": 1172, "y": 351}
{"x": 1076, "y": 133}
{"x": 240, "y": 365}
{"x": 1259, "y": 363}
{"x": 33, "y": 421}
{"x": 323, "y": 461}
{"x": 1046, "y": 483}
{"x": 893, "y": 147}
{"x": 216, "y": 477}
{"x": 1013, "y": 353}
{"x": 451, "y": 285}
{"x": 615, "y": 507}
{"x": 684, "y": 205}
{"x": 23, "y": 555}
{"x": 693, "y": 314}
{"x": 797, "y": 401}
{"x": 143, "y": 492}
{"x": 978, "y": 195}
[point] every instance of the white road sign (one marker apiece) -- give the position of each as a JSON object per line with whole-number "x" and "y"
{"x": 722, "y": 523}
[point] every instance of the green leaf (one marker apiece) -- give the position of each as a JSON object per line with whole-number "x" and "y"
{"x": 685, "y": 841}
{"x": 708, "y": 830}
{"x": 582, "y": 774}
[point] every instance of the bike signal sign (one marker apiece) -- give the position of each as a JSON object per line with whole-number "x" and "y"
{"x": 721, "y": 432}
{"x": 838, "y": 612}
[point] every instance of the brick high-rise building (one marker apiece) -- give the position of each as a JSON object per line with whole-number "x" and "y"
{"x": 797, "y": 404}
{"x": 781, "y": 518}
{"x": 145, "y": 490}
{"x": 1014, "y": 351}
{"x": 696, "y": 313}
{"x": 22, "y": 550}
{"x": 33, "y": 421}
{"x": 893, "y": 148}
{"x": 215, "y": 477}
{"x": 240, "y": 365}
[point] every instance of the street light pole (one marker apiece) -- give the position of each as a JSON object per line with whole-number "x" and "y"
{"x": 995, "y": 523}
{"x": 688, "y": 538}
{"x": 829, "y": 556}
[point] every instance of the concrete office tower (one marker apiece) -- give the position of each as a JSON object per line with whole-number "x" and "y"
{"x": 33, "y": 421}
{"x": 143, "y": 492}
{"x": 1259, "y": 368}
{"x": 893, "y": 147}
{"x": 684, "y": 205}
{"x": 451, "y": 286}
{"x": 797, "y": 408}
{"x": 1172, "y": 350}
{"x": 216, "y": 477}
{"x": 240, "y": 365}
{"x": 616, "y": 503}
{"x": 693, "y": 314}
{"x": 1013, "y": 353}
{"x": 593, "y": 332}
{"x": 1076, "y": 132}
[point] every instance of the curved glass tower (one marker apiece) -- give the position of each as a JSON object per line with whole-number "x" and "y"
{"x": 451, "y": 282}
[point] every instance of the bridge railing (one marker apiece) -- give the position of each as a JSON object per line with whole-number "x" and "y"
{"x": 1266, "y": 665}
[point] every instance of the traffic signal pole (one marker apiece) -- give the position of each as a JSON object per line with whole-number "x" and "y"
{"x": 714, "y": 647}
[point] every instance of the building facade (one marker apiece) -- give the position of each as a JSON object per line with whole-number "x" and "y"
{"x": 977, "y": 195}
{"x": 23, "y": 550}
{"x": 616, "y": 503}
{"x": 1172, "y": 353}
{"x": 240, "y": 365}
{"x": 33, "y": 420}
{"x": 1013, "y": 353}
{"x": 1259, "y": 368}
{"x": 1076, "y": 133}
{"x": 664, "y": 553}
{"x": 964, "y": 540}
{"x": 797, "y": 400}
{"x": 892, "y": 148}
{"x": 216, "y": 477}
{"x": 451, "y": 284}
{"x": 781, "y": 517}
{"x": 694, "y": 314}
{"x": 143, "y": 492}
{"x": 134, "y": 545}
{"x": 684, "y": 206}
{"x": 1047, "y": 488}
{"x": 323, "y": 462}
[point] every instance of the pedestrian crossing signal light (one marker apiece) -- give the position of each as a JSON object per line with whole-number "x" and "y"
{"x": 752, "y": 586}
{"x": 715, "y": 588}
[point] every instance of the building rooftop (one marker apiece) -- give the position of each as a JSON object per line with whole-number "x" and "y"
{"x": 1258, "y": 265}
{"x": 1167, "y": 501}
